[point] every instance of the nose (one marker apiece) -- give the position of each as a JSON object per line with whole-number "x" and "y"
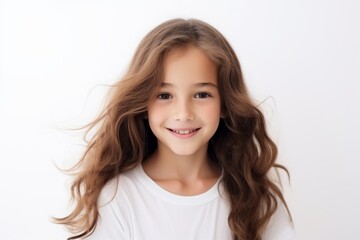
{"x": 184, "y": 111}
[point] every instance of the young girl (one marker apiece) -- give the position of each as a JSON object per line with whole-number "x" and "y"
{"x": 180, "y": 151}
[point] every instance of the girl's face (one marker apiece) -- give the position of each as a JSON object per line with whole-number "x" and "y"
{"x": 186, "y": 112}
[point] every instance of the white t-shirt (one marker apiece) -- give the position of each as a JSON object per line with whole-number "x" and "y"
{"x": 143, "y": 210}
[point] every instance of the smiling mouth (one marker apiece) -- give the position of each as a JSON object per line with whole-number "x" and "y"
{"x": 184, "y": 131}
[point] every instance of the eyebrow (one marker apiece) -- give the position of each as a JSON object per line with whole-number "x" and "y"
{"x": 201, "y": 84}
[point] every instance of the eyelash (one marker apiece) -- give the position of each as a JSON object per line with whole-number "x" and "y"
{"x": 203, "y": 93}
{"x": 166, "y": 96}
{"x": 161, "y": 96}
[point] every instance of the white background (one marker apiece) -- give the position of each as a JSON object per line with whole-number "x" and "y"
{"x": 302, "y": 56}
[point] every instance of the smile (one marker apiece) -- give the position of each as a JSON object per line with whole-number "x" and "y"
{"x": 184, "y": 131}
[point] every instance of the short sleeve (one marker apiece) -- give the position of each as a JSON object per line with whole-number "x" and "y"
{"x": 111, "y": 222}
{"x": 280, "y": 226}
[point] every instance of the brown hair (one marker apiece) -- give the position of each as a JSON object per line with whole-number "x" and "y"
{"x": 240, "y": 146}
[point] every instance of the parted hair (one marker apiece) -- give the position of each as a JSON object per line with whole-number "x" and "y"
{"x": 122, "y": 139}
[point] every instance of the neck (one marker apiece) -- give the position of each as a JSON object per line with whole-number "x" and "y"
{"x": 164, "y": 164}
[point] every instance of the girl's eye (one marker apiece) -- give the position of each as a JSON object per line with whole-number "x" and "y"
{"x": 164, "y": 96}
{"x": 202, "y": 95}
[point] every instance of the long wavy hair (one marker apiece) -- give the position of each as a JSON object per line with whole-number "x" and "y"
{"x": 241, "y": 145}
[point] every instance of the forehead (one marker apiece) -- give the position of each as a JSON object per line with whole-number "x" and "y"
{"x": 189, "y": 65}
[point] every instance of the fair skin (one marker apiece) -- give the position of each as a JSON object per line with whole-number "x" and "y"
{"x": 184, "y": 116}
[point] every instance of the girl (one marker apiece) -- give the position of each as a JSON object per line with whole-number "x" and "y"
{"x": 180, "y": 151}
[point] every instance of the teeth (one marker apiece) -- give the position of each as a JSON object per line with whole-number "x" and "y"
{"x": 184, "y": 131}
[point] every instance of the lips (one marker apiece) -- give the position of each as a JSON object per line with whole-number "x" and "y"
{"x": 184, "y": 131}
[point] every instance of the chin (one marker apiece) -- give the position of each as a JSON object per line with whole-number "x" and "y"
{"x": 185, "y": 151}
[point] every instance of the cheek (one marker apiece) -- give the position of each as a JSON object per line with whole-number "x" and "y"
{"x": 155, "y": 115}
{"x": 213, "y": 109}
{"x": 212, "y": 114}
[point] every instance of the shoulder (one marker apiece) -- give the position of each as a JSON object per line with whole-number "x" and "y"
{"x": 112, "y": 191}
{"x": 280, "y": 225}
{"x": 113, "y": 207}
